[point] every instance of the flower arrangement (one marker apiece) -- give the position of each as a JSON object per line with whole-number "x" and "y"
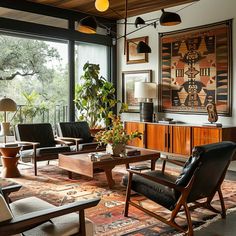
{"x": 117, "y": 134}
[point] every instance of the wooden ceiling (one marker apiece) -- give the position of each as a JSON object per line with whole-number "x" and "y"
{"x": 117, "y": 7}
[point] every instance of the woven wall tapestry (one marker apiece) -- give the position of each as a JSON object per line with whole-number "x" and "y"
{"x": 195, "y": 69}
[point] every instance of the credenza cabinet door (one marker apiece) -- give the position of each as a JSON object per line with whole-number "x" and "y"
{"x": 206, "y": 135}
{"x": 157, "y": 137}
{"x": 180, "y": 140}
{"x": 136, "y": 126}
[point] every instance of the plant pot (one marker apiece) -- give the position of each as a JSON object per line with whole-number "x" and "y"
{"x": 115, "y": 150}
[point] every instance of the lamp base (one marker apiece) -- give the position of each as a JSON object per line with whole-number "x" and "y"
{"x": 146, "y": 111}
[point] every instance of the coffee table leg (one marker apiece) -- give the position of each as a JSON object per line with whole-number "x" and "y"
{"x": 110, "y": 180}
{"x": 153, "y": 163}
{"x": 70, "y": 174}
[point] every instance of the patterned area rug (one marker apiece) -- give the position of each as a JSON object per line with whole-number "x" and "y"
{"x": 52, "y": 184}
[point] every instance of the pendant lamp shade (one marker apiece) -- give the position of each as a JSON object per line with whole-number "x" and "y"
{"x": 169, "y": 18}
{"x": 102, "y": 5}
{"x": 87, "y": 25}
{"x": 138, "y": 22}
{"x": 143, "y": 48}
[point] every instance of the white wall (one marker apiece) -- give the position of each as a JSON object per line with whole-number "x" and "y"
{"x": 200, "y": 13}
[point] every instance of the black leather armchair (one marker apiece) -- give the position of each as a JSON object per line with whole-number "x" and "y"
{"x": 200, "y": 179}
{"x": 78, "y": 133}
{"x": 39, "y": 143}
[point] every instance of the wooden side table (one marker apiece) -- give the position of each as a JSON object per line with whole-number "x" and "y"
{"x": 10, "y": 161}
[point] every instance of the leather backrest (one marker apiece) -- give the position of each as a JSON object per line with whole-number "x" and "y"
{"x": 38, "y": 132}
{"x": 75, "y": 130}
{"x": 208, "y": 163}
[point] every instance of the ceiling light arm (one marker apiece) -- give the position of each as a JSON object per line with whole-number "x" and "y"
{"x": 126, "y": 15}
{"x": 124, "y": 36}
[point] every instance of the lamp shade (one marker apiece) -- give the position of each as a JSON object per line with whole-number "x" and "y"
{"x": 145, "y": 90}
{"x": 87, "y": 25}
{"x": 139, "y": 21}
{"x": 101, "y": 5}
{"x": 169, "y": 18}
{"x": 7, "y": 104}
{"x": 143, "y": 48}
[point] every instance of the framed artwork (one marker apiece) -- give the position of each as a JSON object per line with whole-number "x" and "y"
{"x": 132, "y": 57}
{"x": 196, "y": 68}
{"x": 128, "y": 80}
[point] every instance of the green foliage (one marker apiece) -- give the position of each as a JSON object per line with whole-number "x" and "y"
{"x": 95, "y": 97}
{"x": 24, "y": 57}
{"x": 31, "y": 108}
{"x": 116, "y": 135}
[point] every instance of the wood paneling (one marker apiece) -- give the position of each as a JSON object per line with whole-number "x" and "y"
{"x": 132, "y": 127}
{"x": 157, "y": 137}
{"x": 180, "y": 140}
{"x": 117, "y": 8}
{"x": 205, "y": 135}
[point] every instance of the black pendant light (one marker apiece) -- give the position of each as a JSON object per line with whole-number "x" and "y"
{"x": 87, "y": 25}
{"x": 169, "y": 18}
{"x": 139, "y": 21}
{"x": 143, "y": 48}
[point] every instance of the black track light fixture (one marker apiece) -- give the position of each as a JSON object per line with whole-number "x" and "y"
{"x": 139, "y": 22}
{"x": 142, "y": 47}
{"x": 87, "y": 25}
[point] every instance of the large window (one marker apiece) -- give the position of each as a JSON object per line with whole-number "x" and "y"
{"x": 92, "y": 53}
{"x": 34, "y": 73}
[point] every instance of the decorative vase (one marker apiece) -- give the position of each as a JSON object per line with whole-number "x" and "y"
{"x": 115, "y": 150}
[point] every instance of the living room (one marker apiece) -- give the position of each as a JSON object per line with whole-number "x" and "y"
{"x": 117, "y": 66}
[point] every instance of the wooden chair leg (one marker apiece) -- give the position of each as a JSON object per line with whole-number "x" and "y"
{"x": 163, "y": 166}
{"x": 223, "y": 213}
{"x": 189, "y": 221}
{"x": 127, "y": 198}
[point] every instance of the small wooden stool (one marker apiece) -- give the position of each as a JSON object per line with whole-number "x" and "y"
{"x": 9, "y": 162}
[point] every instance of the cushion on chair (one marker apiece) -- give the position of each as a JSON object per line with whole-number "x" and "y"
{"x": 5, "y": 213}
{"x": 154, "y": 191}
{"x": 62, "y": 226}
{"x": 41, "y": 133}
{"x": 44, "y": 151}
{"x": 75, "y": 130}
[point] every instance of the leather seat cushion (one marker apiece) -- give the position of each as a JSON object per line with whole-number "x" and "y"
{"x": 45, "y": 151}
{"x": 156, "y": 192}
{"x": 62, "y": 225}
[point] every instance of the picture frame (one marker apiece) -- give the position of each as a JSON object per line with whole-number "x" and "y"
{"x": 196, "y": 69}
{"x": 132, "y": 57}
{"x": 128, "y": 80}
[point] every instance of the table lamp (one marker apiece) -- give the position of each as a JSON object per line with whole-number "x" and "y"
{"x": 145, "y": 91}
{"x": 6, "y": 104}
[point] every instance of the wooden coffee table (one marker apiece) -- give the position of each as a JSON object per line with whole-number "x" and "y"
{"x": 81, "y": 163}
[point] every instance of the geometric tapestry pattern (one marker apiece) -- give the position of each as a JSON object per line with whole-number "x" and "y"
{"x": 196, "y": 69}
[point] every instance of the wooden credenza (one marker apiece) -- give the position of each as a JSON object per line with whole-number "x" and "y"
{"x": 178, "y": 139}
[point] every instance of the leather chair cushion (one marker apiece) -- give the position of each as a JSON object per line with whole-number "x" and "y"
{"x": 41, "y": 133}
{"x": 45, "y": 151}
{"x": 75, "y": 130}
{"x": 62, "y": 225}
{"x": 158, "y": 193}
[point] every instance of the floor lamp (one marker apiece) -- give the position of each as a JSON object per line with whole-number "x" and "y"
{"x": 6, "y": 104}
{"x": 145, "y": 91}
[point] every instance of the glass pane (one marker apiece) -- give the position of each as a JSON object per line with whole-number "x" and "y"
{"x": 34, "y": 73}
{"x": 92, "y": 53}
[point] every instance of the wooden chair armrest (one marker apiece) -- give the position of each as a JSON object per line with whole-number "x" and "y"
{"x": 60, "y": 141}
{"x": 28, "y": 221}
{"x": 158, "y": 180}
{"x": 10, "y": 189}
{"x": 27, "y": 143}
{"x": 70, "y": 139}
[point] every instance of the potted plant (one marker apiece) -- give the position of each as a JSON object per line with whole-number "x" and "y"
{"x": 95, "y": 97}
{"x": 116, "y": 138}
